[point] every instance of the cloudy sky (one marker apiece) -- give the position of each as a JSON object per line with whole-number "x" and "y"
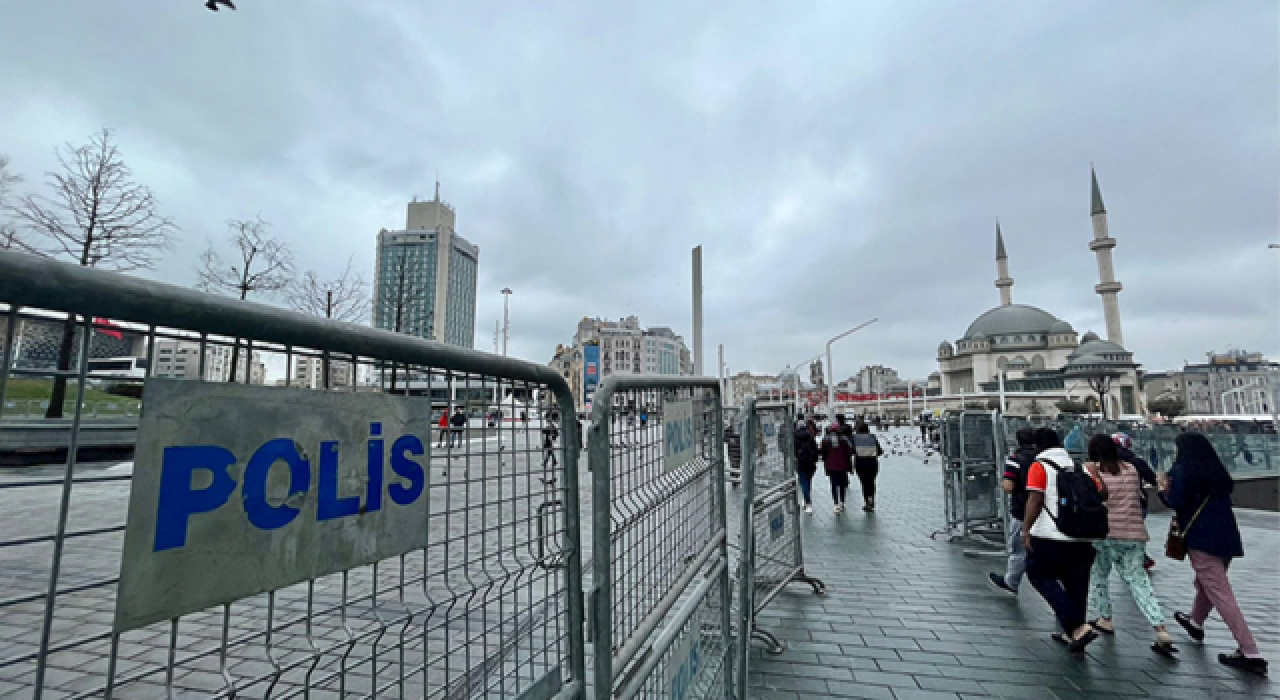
{"x": 838, "y": 161}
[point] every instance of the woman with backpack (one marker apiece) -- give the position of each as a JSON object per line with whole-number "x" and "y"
{"x": 1064, "y": 515}
{"x": 1124, "y": 549}
{"x": 806, "y": 451}
{"x": 866, "y": 462}
{"x": 837, "y": 457}
{"x": 1198, "y": 489}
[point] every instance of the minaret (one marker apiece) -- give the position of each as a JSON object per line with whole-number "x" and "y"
{"x": 1004, "y": 283}
{"x": 1101, "y": 245}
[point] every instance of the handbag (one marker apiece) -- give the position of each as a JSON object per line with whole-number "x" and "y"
{"x": 1175, "y": 545}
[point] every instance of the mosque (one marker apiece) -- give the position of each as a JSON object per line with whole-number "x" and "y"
{"x": 1038, "y": 353}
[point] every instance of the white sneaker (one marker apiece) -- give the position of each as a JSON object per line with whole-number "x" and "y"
{"x": 808, "y": 509}
{"x": 839, "y": 508}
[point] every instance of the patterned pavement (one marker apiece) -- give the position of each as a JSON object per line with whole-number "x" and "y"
{"x": 908, "y": 617}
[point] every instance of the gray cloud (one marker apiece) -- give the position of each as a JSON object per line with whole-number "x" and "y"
{"x": 838, "y": 160}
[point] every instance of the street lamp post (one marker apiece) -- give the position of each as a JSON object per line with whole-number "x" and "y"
{"x": 506, "y": 319}
{"x": 831, "y": 387}
{"x": 795, "y": 403}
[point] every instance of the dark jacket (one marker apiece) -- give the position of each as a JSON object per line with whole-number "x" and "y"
{"x": 867, "y": 462}
{"x": 1215, "y": 530}
{"x": 1145, "y": 472}
{"x": 806, "y": 448}
{"x": 837, "y": 453}
{"x": 458, "y": 420}
{"x": 1015, "y": 470}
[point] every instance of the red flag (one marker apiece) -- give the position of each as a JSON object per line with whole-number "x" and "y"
{"x": 104, "y": 325}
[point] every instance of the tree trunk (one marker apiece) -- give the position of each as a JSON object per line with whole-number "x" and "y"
{"x": 59, "y": 393}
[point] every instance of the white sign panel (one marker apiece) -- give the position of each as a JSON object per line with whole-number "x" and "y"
{"x": 241, "y": 489}
{"x": 685, "y": 662}
{"x": 679, "y": 444}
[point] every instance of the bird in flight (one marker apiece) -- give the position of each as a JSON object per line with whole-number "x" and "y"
{"x": 213, "y": 4}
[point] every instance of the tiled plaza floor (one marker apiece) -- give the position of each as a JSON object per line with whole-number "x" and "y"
{"x": 907, "y": 616}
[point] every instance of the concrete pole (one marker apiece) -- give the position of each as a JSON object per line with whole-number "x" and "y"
{"x": 1003, "y": 408}
{"x": 697, "y": 311}
{"x": 506, "y": 319}
{"x": 721, "y": 371}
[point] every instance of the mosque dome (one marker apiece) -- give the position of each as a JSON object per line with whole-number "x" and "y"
{"x": 945, "y": 349}
{"x": 1014, "y": 319}
{"x": 1096, "y": 354}
{"x": 1061, "y": 327}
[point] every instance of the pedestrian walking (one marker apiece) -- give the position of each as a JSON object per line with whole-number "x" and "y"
{"x": 1125, "y": 545}
{"x": 443, "y": 424}
{"x": 550, "y": 433}
{"x": 1124, "y": 450}
{"x": 837, "y": 458}
{"x": 806, "y": 451}
{"x": 866, "y": 463}
{"x": 1064, "y": 504}
{"x": 1014, "y": 483}
{"x": 1198, "y": 489}
{"x": 459, "y": 424}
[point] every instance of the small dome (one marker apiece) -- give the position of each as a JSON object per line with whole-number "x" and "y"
{"x": 1088, "y": 338}
{"x": 1095, "y": 354}
{"x": 1061, "y": 327}
{"x": 945, "y": 349}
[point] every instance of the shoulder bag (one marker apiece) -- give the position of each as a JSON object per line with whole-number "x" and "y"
{"x": 1175, "y": 545}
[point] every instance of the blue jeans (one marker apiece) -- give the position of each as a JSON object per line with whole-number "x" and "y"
{"x": 1017, "y": 565}
{"x": 806, "y": 485}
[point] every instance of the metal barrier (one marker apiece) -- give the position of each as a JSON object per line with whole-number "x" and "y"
{"x": 771, "y": 549}
{"x": 453, "y": 571}
{"x": 972, "y": 451}
{"x": 659, "y": 605}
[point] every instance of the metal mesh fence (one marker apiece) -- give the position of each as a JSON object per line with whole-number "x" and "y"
{"x": 482, "y": 609}
{"x": 659, "y": 529}
{"x": 770, "y": 547}
{"x": 972, "y": 450}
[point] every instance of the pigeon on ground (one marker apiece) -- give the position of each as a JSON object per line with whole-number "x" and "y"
{"x": 213, "y": 4}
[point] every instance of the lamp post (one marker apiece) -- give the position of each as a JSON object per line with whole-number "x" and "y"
{"x": 506, "y": 319}
{"x": 831, "y": 387}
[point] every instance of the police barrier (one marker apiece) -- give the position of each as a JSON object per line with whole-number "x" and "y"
{"x": 770, "y": 546}
{"x": 279, "y": 541}
{"x": 972, "y": 451}
{"x": 659, "y": 594}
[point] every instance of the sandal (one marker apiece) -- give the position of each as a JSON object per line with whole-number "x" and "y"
{"x": 1107, "y": 628}
{"x": 1164, "y": 648}
{"x": 1077, "y": 645}
{"x": 1061, "y": 638}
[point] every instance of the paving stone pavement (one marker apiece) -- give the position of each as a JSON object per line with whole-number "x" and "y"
{"x": 909, "y": 617}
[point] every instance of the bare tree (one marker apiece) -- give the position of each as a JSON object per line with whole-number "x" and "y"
{"x": 99, "y": 217}
{"x": 345, "y": 299}
{"x": 8, "y": 234}
{"x": 261, "y": 264}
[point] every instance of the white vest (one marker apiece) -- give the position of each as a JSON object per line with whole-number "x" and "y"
{"x": 1044, "y": 527}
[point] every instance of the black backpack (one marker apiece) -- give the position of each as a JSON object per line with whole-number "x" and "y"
{"x": 806, "y": 453}
{"x": 1081, "y": 512}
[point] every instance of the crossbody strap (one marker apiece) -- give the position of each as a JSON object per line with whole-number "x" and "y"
{"x": 1193, "y": 518}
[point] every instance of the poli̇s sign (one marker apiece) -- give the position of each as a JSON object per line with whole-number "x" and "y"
{"x": 240, "y": 489}
{"x": 679, "y": 444}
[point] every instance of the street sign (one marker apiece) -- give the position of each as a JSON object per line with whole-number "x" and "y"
{"x": 238, "y": 490}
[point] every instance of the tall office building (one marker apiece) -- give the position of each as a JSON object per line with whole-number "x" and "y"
{"x": 425, "y": 277}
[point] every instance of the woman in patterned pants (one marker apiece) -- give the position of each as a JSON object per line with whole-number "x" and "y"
{"x": 1124, "y": 549}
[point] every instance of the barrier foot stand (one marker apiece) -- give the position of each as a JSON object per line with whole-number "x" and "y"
{"x": 773, "y": 644}
{"x": 819, "y": 588}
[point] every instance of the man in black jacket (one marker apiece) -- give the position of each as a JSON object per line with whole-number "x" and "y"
{"x": 1014, "y": 483}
